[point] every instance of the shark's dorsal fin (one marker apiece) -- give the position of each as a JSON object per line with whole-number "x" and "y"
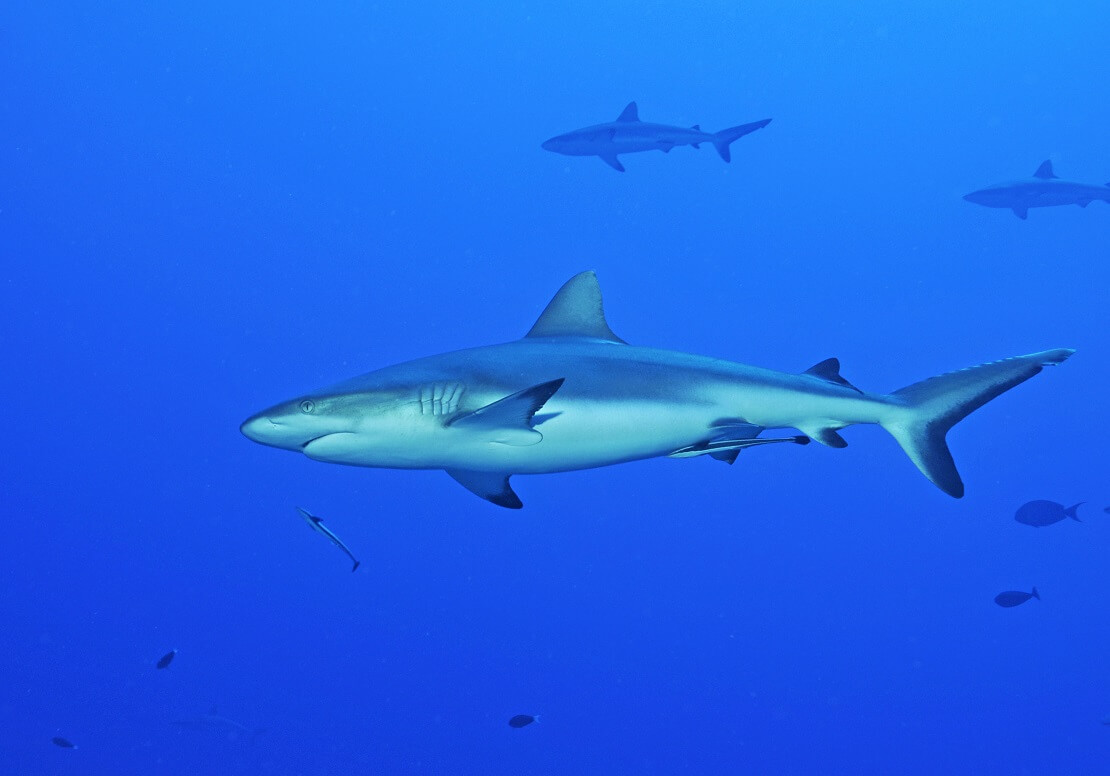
{"x": 491, "y": 486}
{"x": 829, "y": 371}
{"x": 697, "y": 127}
{"x": 1044, "y": 172}
{"x": 630, "y": 113}
{"x": 575, "y": 311}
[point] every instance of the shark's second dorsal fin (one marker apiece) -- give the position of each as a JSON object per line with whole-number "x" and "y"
{"x": 575, "y": 311}
{"x": 630, "y": 113}
{"x": 829, "y": 371}
{"x": 1045, "y": 170}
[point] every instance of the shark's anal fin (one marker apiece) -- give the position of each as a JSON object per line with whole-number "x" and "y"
{"x": 630, "y": 113}
{"x": 491, "y": 486}
{"x": 612, "y": 161}
{"x": 829, "y": 371}
{"x": 575, "y": 311}
{"x": 826, "y": 435}
{"x": 1021, "y": 212}
{"x": 1044, "y": 172}
{"x": 509, "y": 420}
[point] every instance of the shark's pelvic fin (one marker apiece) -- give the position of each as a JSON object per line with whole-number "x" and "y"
{"x": 508, "y": 421}
{"x": 829, "y": 371}
{"x": 630, "y": 113}
{"x": 1021, "y": 212}
{"x": 935, "y": 405}
{"x": 575, "y": 311}
{"x": 1045, "y": 172}
{"x": 491, "y": 486}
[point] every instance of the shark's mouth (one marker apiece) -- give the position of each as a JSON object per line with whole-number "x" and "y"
{"x": 324, "y": 445}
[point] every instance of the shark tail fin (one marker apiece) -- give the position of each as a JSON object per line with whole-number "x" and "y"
{"x": 1073, "y": 511}
{"x": 931, "y": 407}
{"x": 724, "y": 138}
{"x": 1036, "y": 594}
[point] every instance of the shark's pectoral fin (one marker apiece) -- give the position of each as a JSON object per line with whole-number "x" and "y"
{"x": 491, "y": 486}
{"x": 612, "y": 161}
{"x": 665, "y": 146}
{"x": 829, "y": 371}
{"x": 1021, "y": 212}
{"x": 1083, "y": 202}
{"x": 508, "y": 421}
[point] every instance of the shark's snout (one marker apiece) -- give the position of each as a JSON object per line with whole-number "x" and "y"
{"x": 258, "y": 428}
{"x": 549, "y": 145}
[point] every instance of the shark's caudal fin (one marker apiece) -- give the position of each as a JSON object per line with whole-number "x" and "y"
{"x": 722, "y": 139}
{"x": 1073, "y": 511}
{"x": 933, "y": 406}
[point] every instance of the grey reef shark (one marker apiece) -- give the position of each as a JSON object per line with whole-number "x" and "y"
{"x": 1044, "y": 189}
{"x": 628, "y": 135}
{"x": 573, "y": 395}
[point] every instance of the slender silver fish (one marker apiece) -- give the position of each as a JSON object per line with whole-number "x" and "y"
{"x": 317, "y": 524}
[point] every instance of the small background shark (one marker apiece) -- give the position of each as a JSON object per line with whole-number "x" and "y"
{"x": 214, "y": 722}
{"x": 1044, "y": 189}
{"x": 628, "y": 135}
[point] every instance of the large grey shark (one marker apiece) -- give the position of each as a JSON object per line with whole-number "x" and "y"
{"x": 1044, "y": 189}
{"x": 573, "y": 395}
{"x": 628, "y": 135}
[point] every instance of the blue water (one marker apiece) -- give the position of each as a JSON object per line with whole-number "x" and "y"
{"x": 211, "y": 207}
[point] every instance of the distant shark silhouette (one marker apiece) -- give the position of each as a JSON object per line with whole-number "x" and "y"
{"x": 212, "y": 721}
{"x": 476, "y": 413}
{"x": 1044, "y": 189}
{"x": 628, "y": 135}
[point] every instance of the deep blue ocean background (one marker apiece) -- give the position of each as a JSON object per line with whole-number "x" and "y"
{"x": 206, "y": 208}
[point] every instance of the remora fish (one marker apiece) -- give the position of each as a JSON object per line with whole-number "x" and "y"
{"x": 628, "y": 135}
{"x": 1044, "y": 189}
{"x": 476, "y": 413}
{"x": 317, "y": 524}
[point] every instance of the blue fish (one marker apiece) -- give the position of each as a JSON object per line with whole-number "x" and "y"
{"x": 1044, "y": 189}
{"x": 1015, "y": 597}
{"x": 1040, "y": 513}
{"x": 628, "y": 135}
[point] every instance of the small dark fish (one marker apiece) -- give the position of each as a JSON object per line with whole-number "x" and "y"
{"x": 522, "y": 720}
{"x": 1015, "y": 597}
{"x": 317, "y": 525}
{"x": 166, "y": 659}
{"x": 1107, "y": 510}
{"x": 1041, "y": 513}
{"x": 65, "y": 743}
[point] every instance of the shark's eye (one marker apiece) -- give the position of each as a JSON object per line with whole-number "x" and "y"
{"x": 307, "y": 406}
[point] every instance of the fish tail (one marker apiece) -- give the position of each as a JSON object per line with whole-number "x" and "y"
{"x": 724, "y": 138}
{"x": 1073, "y": 511}
{"x": 928, "y": 409}
{"x": 1036, "y": 594}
